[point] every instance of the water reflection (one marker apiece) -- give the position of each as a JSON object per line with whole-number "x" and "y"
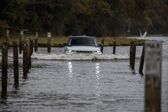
{"x": 70, "y": 68}
{"x": 97, "y": 68}
{"x": 98, "y": 91}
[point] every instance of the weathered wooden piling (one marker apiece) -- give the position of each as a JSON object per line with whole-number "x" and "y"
{"x": 142, "y": 61}
{"x": 153, "y": 71}
{"x": 102, "y": 46}
{"x": 132, "y": 55}
{"x": 15, "y": 64}
{"x": 31, "y": 46}
{"x": 25, "y": 61}
{"x": 102, "y": 42}
{"x": 29, "y": 53}
{"x": 20, "y": 41}
{"x": 49, "y": 42}
{"x": 36, "y": 43}
{"x": 20, "y": 44}
{"x": 114, "y": 47}
{"x": 131, "y": 52}
{"x": 7, "y": 34}
{"x": 4, "y": 70}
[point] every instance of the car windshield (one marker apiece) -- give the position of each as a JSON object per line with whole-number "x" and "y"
{"x": 82, "y": 42}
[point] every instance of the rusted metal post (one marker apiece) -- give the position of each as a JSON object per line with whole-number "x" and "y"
{"x": 114, "y": 47}
{"x": 153, "y": 71}
{"x": 142, "y": 61}
{"x": 15, "y": 64}
{"x": 36, "y": 43}
{"x": 49, "y": 42}
{"x": 132, "y": 55}
{"x": 25, "y": 60}
{"x": 4, "y": 70}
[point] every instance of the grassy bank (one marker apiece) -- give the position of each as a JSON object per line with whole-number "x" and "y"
{"x": 59, "y": 41}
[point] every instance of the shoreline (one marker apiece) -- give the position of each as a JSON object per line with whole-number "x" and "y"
{"x": 60, "y": 41}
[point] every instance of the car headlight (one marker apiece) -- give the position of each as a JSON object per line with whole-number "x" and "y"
{"x": 68, "y": 51}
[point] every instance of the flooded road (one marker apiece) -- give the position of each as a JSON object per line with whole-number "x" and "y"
{"x": 82, "y": 86}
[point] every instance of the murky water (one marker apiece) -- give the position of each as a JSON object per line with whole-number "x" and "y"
{"x": 82, "y": 86}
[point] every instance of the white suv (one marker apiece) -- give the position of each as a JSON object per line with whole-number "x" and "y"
{"x": 82, "y": 44}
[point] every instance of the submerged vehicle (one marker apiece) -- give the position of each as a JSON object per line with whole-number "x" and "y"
{"x": 82, "y": 44}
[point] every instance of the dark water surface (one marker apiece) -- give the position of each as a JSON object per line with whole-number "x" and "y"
{"x": 82, "y": 86}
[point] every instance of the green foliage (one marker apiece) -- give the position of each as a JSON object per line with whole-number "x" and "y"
{"x": 85, "y": 17}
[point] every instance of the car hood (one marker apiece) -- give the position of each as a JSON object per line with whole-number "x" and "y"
{"x": 83, "y": 48}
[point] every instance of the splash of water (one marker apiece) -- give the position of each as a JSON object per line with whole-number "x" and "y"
{"x": 81, "y": 56}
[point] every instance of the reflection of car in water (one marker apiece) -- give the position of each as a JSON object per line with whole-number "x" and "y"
{"x": 82, "y": 44}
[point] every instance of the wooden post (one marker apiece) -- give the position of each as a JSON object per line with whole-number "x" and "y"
{"x": 102, "y": 46}
{"x": 102, "y": 42}
{"x": 7, "y": 34}
{"x": 20, "y": 41}
{"x": 4, "y": 70}
{"x": 153, "y": 71}
{"x": 49, "y": 42}
{"x": 29, "y": 53}
{"x": 25, "y": 61}
{"x": 142, "y": 61}
{"x": 31, "y": 46}
{"x": 131, "y": 52}
{"x": 132, "y": 55}
{"x": 20, "y": 44}
{"x": 36, "y": 43}
{"x": 114, "y": 47}
{"x": 15, "y": 64}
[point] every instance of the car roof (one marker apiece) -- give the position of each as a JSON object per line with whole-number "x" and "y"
{"x": 81, "y": 36}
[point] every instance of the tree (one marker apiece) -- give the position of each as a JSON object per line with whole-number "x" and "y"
{"x": 85, "y": 17}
